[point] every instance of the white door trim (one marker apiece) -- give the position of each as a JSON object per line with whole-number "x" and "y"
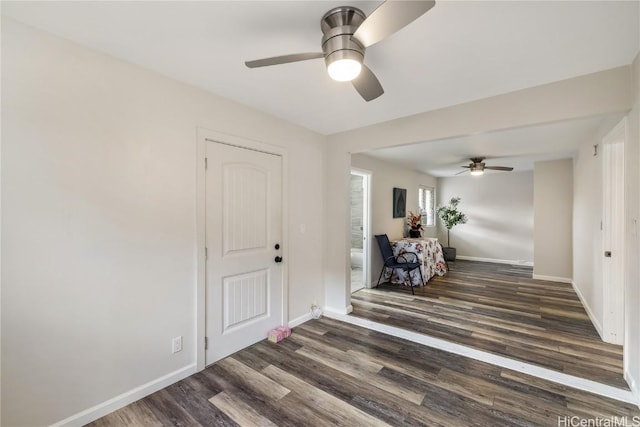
{"x": 613, "y": 239}
{"x": 204, "y": 135}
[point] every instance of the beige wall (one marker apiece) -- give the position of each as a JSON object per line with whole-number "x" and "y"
{"x": 98, "y": 222}
{"x": 499, "y": 207}
{"x": 587, "y": 232}
{"x": 384, "y": 177}
{"x": 553, "y": 218}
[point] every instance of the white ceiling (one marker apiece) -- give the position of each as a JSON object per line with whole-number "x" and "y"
{"x": 519, "y": 148}
{"x": 459, "y": 51}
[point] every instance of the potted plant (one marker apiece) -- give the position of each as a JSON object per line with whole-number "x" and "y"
{"x": 415, "y": 227}
{"x": 450, "y": 217}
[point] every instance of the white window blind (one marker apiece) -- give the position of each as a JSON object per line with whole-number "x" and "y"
{"x": 427, "y": 198}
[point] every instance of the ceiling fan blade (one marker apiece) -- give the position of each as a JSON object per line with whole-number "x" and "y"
{"x": 284, "y": 59}
{"x": 388, "y": 18}
{"x": 367, "y": 84}
{"x": 499, "y": 168}
{"x": 459, "y": 173}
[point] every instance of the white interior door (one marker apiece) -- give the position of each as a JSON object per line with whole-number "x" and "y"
{"x": 244, "y": 280}
{"x": 613, "y": 236}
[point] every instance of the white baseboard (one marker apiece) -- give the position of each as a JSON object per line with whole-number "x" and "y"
{"x": 300, "y": 320}
{"x": 587, "y": 308}
{"x": 633, "y": 385}
{"x": 553, "y": 278}
{"x": 104, "y": 408}
{"x": 496, "y": 261}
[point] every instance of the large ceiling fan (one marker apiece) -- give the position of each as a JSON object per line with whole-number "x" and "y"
{"x": 347, "y": 33}
{"x": 477, "y": 167}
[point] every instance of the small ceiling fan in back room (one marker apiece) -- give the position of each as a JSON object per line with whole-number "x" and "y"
{"x": 477, "y": 167}
{"x": 347, "y": 33}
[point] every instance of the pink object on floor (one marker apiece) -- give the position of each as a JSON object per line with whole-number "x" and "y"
{"x": 286, "y": 331}
{"x": 279, "y": 333}
{"x": 275, "y": 335}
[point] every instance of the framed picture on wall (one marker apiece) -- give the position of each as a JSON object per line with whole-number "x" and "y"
{"x": 399, "y": 202}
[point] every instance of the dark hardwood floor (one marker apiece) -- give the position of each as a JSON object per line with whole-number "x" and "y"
{"x": 331, "y": 373}
{"x": 500, "y": 309}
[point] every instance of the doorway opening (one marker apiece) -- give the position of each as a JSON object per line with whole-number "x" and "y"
{"x": 359, "y": 229}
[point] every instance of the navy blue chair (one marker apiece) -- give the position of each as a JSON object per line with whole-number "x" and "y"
{"x": 407, "y": 261}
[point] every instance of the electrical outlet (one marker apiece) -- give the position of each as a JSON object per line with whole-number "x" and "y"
{"x": 176, "y": 344}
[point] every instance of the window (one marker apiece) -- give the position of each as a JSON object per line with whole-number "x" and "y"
{"x": 426, "y": 201}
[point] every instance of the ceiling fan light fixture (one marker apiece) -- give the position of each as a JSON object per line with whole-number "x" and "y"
{"x": 344, "y": 70}
{"x": 346, "y": 33}
{"x": 344, "y": 65}
{"x": 476, "y": 170}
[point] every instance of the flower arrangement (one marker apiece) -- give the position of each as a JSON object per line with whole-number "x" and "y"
{"x": 413, "y": 220}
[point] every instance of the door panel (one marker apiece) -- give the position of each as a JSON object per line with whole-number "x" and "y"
{"x": 244, "y": 285}
{"x": 245, "y": 299}
{"x": 244, "y": 195}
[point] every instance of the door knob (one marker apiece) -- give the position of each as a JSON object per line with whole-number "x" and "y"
{"x": 278, "y": 259}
